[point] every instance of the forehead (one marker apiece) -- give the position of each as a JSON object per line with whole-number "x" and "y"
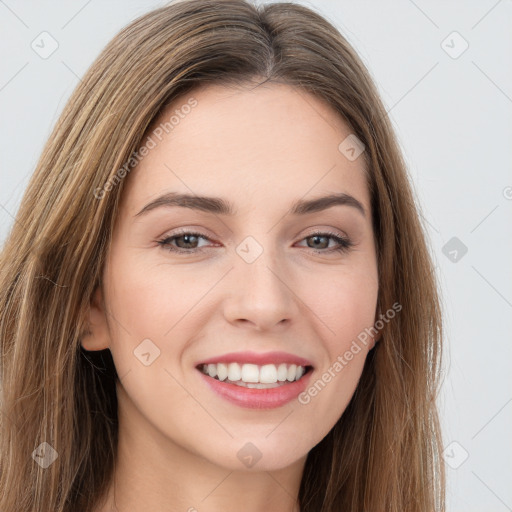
{"x": 271, "y": 143}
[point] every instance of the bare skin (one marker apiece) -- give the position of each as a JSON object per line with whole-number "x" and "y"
{"x": 261, "y": 150}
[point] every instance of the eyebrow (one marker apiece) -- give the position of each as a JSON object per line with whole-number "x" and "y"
{"x": 219, "y": 206}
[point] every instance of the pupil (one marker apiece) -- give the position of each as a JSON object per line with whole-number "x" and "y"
{"x": 187, "y": 238}
{"x": 317, "y": 237}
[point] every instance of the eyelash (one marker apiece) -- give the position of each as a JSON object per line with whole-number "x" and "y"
{"x": 344, "y": 243}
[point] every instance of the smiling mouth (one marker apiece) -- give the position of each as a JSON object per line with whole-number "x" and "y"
{"x": 255, "y": 376}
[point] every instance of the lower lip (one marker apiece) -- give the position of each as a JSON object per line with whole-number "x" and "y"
{"x": 258, "y": 398}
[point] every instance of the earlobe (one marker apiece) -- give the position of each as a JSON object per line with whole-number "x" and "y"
{"x": 97, "y": 335}
{"x": 375, "y": 340}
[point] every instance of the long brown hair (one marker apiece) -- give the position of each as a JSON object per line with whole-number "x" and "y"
{"x": 384, "y": 452}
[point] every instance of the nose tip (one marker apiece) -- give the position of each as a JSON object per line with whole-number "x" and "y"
{"x": 258, "y": 296}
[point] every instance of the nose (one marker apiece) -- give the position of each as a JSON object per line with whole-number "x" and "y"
{"x": 260, "y": 294}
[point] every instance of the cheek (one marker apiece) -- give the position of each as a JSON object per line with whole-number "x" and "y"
{"x": 141, "y": 308}
{"x": 150, "y": 300}
{"x": 147, "y": 306}
{"x": 346, "y": 304}
{"x": 157, "y": 302}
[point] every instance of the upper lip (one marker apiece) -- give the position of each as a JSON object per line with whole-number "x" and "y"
{"x": 257, "y": 358}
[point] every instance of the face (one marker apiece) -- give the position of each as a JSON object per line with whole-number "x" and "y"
{"x": 278, "y": 277}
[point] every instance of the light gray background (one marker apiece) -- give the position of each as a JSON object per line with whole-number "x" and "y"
{"x": 453, "y": 119}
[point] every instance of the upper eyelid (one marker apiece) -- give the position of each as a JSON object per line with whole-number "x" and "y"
{"x": 191, "y": 231}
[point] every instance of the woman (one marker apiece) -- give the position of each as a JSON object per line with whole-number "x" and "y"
{"x": 217, "y": 293}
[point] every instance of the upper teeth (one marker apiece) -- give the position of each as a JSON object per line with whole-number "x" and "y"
{"x": 266, "y": 374}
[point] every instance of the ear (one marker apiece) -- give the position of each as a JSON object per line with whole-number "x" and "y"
{"x": 377, "y": 336}
{"x": 98, "y": 336}
{"x": 374, "y": 340}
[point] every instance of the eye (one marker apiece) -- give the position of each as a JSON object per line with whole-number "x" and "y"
{"x": 187, "y": 242}
{"x": 186, "y": 239}
{"x": 321, "y": 241}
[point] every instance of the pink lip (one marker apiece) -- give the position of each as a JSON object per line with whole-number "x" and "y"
{"x": 258, "y": 398}
{"x": 259, "y": 359}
